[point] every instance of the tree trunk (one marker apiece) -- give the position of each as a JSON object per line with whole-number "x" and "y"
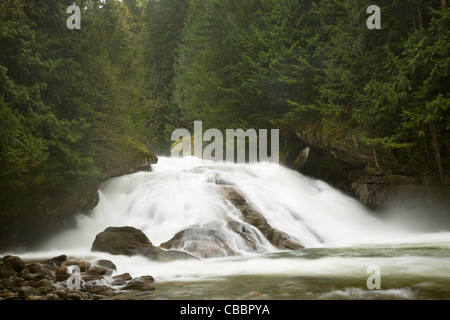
{"x": 375, "y": 157}
{"x": 443, "y": 3}
{"x": 419, "y": 17}
{"x": 437, "y": 152}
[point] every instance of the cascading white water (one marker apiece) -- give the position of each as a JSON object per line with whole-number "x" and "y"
{"x": 186, "y": 192}
{"x": 341, "y": 237}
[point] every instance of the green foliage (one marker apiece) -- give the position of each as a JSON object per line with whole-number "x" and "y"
{"x": 311, "y": 64}
{"x": 72, "y": 100}
{"x": 68, "y": 98}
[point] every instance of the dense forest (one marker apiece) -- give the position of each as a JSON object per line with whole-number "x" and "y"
{"x": 80, "y": 105}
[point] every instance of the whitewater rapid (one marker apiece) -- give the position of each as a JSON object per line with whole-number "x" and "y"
{"x": 341, "y": 236}
{"x": 180, "y": 193}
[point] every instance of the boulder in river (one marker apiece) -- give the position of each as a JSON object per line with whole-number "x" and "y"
{"x": 131, "y": 241}
{"x": 202, "y": 241}
{"x": 251, "y": 216}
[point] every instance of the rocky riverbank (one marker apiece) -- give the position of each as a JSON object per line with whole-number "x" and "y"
{"x": 64, "y": 278}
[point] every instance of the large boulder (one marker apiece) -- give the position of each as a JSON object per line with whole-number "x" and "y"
{"x": 131, "y": 241}
{"x": 202, "y": 241}
{"x": 276, "y": 237}
{"x": 121, "y": 240}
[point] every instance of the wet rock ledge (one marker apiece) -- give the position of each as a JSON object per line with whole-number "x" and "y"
{"x": 53, "y": 279}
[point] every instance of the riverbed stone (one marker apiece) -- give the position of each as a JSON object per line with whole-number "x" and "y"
{"x": 43, "y": 290}
{"x": 51, "y": 296}
{"x": 41, "y": 283}
{"x": 27, "y": 291}
{"x": 139, "y": 284}
{"x": 44, "y": 274}
{"x": 91, "y": 277}
{"x": 6, "y": 273}
{"x": 61, "y": 271}
{"x": 96, "y": 270}
{"x": 14, "y": 263}
{"x": 83, "y": 265}
{"x": 73, "y": 296}
{"x": 34, "y": 267}
{"x": 107, "y": 264}
{"x": 124, "y": 276}
{"x": 56, "y": 261}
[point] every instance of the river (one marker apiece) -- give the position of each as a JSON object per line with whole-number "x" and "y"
{"x": 343, "y": 240}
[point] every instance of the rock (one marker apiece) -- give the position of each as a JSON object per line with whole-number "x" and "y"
{"x": 139, "y": 284}
{"x": 14, "y": 263}
{"x": 212, "y": 239}
{"x": 34, "y": 267}
{"x": 124, "y": 277}
{"x": 5, "y": 273}
{"x": 73, "y": 296}
{"x": 253, "y": 294}
{"x": 41, "y": 283}
{"x": 46, "y": 289}
{"x": 61, "y": 271}
{"x": 44, "y": 274}
{"x": 131, "y": 241}
{"x": 8, "y": 294}
{"x": 24, "y": 272}
{"x": 97, "y": 289}
{"x": 306, "y": 160}
{"x": 381, "y": 190}
{"x": 157, "y": 254}
{"x": 29, "y": 276}
{"x": 26, "y": 291}
{"x": 61, "y": 294}
{"x": 83, "y": 265}
{"x": 277, "y": 238}
{"x": 99, "y": 271}
{"x": 200, "y": 241}
{"x": 51, "y": 296}
{"x": 148, "y": 279}
{"x": 120, "y": 240}
{"x": 10, "y": 283}
{"x": 340, "y": 144}
{"x": 56, "y": 261}
{"x": 107, "y": 264}
{"x": 118, "y": 282}
{"x": 107, "y": 293}
{"x": 62, "y": 277}
{"x": 91, "y": 277}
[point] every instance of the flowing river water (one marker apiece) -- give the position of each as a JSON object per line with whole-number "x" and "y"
{"x": 343, "y": 240}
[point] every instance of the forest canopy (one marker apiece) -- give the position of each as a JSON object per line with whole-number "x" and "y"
{"x": 74, "y": 102}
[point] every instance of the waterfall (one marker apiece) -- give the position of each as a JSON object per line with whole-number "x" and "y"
{"x": 188, "y": 195}
{"x": 245, "y": 220}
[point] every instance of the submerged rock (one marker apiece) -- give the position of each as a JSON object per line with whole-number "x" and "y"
{"x": 220, "y": 238}
{"x": 276, "y": 237}
{"x": 200, "y": 241}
